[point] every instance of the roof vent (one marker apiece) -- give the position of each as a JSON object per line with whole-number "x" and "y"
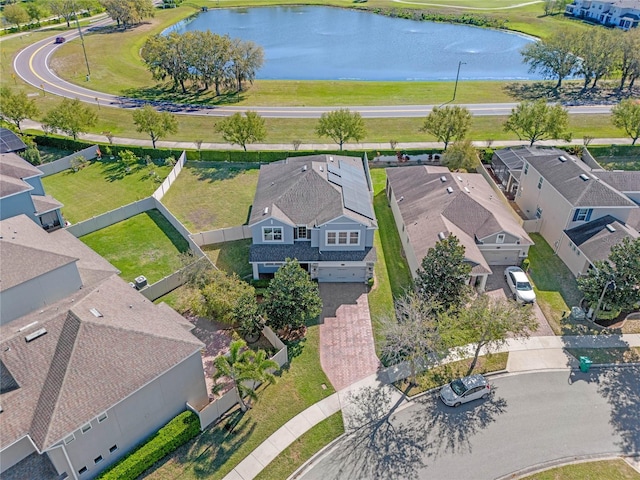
{"x": 331, "y": 159}
{"x": 32, "y": 336}
{"x": 459, "y": 178}
{"x": 401, "y": 198}
{"x": 265, "y": 211}
{"x": 443, "y": 179}
{"x": 449, "y": 190}
{"x": 304, "y": 168}
{"x": 441, "y": 235}
{"x": 610, "y": 227}
{"x": 584, "y": 176}
{"x": 466, "y": 189}
{"x": 562, "y": 158}
{"x": 27, "y": 327}
{"x": 96, "y": 313}
{"x": 321, "y": 168}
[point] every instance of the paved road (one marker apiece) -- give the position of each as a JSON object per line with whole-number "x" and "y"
{"x": 530, "y": 420}
{"x": 32, "y": 65}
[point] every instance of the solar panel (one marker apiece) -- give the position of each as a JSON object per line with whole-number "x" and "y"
{"x": 333, "y": 178}
{"x": 355, "y": 191}
{"x": 10, "y": 142}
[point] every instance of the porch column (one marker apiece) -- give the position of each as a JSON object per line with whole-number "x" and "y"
{"x": 483, "y": 282}
{"x": 256, "y": 275}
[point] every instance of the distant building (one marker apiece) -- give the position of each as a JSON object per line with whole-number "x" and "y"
{"x": 624, "y": 14}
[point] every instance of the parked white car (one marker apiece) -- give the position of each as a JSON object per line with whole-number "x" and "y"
{"x": 519, "y": 285}
{"x": 464, "y": 390}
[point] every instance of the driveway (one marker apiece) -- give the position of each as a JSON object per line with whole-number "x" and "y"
{"x": 497, "y": 287}
{"x": 347, "y": 350}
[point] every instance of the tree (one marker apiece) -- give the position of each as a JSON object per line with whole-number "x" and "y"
{"x": 291, "y": 298}
{"x": 246, "y": 58}
{"x": 15, "y": 14}
{"x": 209, "y": 56}
{"x": 63, "y": 8}
{"x": 552, "y": 57}
{"x": 629, "y": 58}
{"x": 167, "y": 55}
{"x": 70, "y": 117}
{"x": 219, "y": 297}
{"x": 246, "y": 369}
{"x": 246, "y": 312}
{"x": 622, "y": 267}
{"x": 32, "y": 155}
{"x": 128, "y": 12}
{"x": 597, "y": 50}
{"x": 447, "y": 123}
{"x": 443, "y": 274}
{"x": 156, "y": 124}
{"x": 341, "y": 126}
{"x": 35, "y": 10}
{"x": 16, "y": 107}
{"x": 411, "y": 336}
{"x": 487, "y": 323}
{"x": 461, "y": 155}
{"x": 537, "y": 120}
{"x": 626, "y": 115}
{"x": 242, "y": 131}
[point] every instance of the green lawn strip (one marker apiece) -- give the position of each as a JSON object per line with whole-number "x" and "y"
{"x": 303, "y": 448}
{"x": 222, "y": 446}
{"x": 556, "y": 287}
{"x": 146, "y": 244}
{"x": 438, "y": 376}
{"x": 616, "y": 469}
{"x": 102, "y": 186}
{"x": 608, "y": 355}
{"x": 232, "y": 257}
{"x": 208, "y": 196}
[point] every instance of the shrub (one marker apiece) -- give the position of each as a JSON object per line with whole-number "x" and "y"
{"x": 173, "y": 435}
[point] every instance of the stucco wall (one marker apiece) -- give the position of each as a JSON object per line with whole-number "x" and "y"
{"x": 15, "y": 452}
{"x": 17, "y": 204}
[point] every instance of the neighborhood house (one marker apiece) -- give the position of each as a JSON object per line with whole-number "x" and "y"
{"x": 624, "y": 14}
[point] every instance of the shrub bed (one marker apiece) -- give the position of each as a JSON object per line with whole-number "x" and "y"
{"x": 174, "y": 434}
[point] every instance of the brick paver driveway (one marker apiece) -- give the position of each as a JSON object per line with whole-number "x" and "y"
{"x": 347, "y": 351}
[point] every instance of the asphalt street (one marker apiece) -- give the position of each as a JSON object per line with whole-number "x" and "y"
{"x": 531, "y": 419}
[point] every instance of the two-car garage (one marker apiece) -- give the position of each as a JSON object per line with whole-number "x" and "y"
{"x": 342, "y": 274}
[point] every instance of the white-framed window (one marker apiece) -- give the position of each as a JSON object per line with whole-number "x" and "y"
{"x": 272, "y": 234}
{"x": 500, "y": 238}
{"x": 86, "y": 428}
{"x": 69, "y": 439}
{"x": 301, "y": 232}
{"x": 102, "y": 417}
{"x": 343, "y": 237}
{"x": 273, "y": 264}
{"x": 540, "y": 182}
{"x": 538, "y": 212}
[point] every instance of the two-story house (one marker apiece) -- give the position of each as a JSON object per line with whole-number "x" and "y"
{"x": 89, "y": 367}
{"x": 319, "y": 210}
{"x": 624, "y": 14}
{"x": 430, "y": 203}
{"x": 21, "y": 192}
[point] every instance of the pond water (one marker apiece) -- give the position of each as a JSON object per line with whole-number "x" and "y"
{"x": 324, "y": 43}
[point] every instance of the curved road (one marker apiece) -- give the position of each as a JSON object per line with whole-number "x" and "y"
{"x": 32, "y": 65}
{"x": 531, "y": 420}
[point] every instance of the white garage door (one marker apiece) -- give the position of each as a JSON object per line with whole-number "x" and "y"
{"x": 502, "y": 257}
{"x": 342, "y": 274}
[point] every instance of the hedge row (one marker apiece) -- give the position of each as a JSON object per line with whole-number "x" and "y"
{"x": 173, "y": 435}
{"x": 614, "y": 150}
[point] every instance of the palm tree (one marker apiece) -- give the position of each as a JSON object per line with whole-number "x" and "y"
{"x": 246, "y": 369}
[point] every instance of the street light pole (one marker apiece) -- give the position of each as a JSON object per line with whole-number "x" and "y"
{"x": 84, "y": 50}
{"x": 455, "y": 89}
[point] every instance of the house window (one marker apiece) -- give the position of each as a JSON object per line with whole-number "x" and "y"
{"x": 302, "y": 233}
{"x": 102, "y": 417}
{"x": 526, "y": 168}
{"x": 69, "y": 439}
{"x": 570, "y": 244}
{"x": 343, "y": 238}
{"x": 538, "y": 212}
{"x": 582, "y": 214}
{"x": 540, "y": 183}
{"x": 113, "y": 448}
{"x": 272, "y": 234}
{"x": 82, "y": 470}
{"x": 98, "y": 459}
{"x": 86, "y": 428}
{"x": 500, "y": 238}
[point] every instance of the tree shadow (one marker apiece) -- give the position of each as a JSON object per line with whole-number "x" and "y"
{"x": 214, "y": 172}
{"x": 169, "y": 230}
{"x": 570, "y": 93}
{"x": 166, "y": 96}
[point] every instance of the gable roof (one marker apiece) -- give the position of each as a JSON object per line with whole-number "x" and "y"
{"x": 13, "y": 169}
{"x": 10, "y": 142}
{"x": 622, "y": 181}
{"x": 303, "y": 191}
{"x": 595, "y": 239}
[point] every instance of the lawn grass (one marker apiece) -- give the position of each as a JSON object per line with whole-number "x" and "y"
{"x": 616, "y": 469}
{"x": 146, "y": 244}
{"x": 222, "y": 446}
{"x": 102, "y": 186}
{"x": 208, "y": 196}
{"x": 231, "y": 257}
{"x": 607, "y": 355}
{"x": 438, "y": 376}
{"x": 555, "y": 286}
{"x": 303, "y": 448}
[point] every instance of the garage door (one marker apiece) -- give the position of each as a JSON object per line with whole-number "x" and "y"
{"x": 502, "y": 257}
{"x": 342, "y": 274}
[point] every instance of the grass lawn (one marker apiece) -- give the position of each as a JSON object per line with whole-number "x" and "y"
{"x": 555, "y": 286}
{"x": 616, "y": 469}
{"x": 608, "y": 355}
{"x": 392, "y": 276}
{"x": 207, "y": 195}
{"x": 232, "y": 257}
{"x": 102, "y": 186}
{"x": 437, "y": 376}
{"x": 146, "y": 244}
{"x": 221, "y": 447}
{"x": 303, "y": 448}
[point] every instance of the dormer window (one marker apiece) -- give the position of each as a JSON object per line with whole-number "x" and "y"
{"x": 301, "y": 232}
{"x": 272, "y": 234}
{"x": 500, "y": 238}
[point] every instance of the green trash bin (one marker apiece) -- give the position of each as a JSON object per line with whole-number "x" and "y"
{"x": 585, "y": 364}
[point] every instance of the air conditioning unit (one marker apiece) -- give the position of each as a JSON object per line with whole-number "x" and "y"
{"x": 140, "y": 282}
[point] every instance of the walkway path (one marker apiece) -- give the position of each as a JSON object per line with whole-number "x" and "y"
{"x": 535, "y": 353}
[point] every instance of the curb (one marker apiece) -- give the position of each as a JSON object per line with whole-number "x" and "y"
{"x": 541, "y": 467}
{"x": 316, "y": 456}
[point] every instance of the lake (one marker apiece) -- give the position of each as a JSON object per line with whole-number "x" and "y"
{"x": 324, "y": 43}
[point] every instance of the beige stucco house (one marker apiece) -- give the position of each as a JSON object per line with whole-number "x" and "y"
{"x": 89, "y": 366}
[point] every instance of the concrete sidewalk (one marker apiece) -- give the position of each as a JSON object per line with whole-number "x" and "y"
{"x": 525, "y": 355}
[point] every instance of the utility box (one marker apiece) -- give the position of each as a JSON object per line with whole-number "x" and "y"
{"x": 141, "y": 282}
{"x": 585, "y": 364}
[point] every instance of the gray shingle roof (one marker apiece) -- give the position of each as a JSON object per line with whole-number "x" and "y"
{"x": 305, "y": 253}
{"x": 13, "y": 169}
{"x": 45, "y": 203}
{"x": 19, "y": 264}
{"x": 595, "y": 240}
{"x": 621, "y": 181}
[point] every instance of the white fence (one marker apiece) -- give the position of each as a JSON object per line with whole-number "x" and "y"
{"x": 63, "y": 164}
{"x": 222, "y": 235}
{"x": 282, "y": 357}
{"x": 216, "y": 409}
{"x": 173, "y": 174}
{"x": 114, "y": 216}
{"x": 532, "y": 226}
{"x": 589, "y": 160}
